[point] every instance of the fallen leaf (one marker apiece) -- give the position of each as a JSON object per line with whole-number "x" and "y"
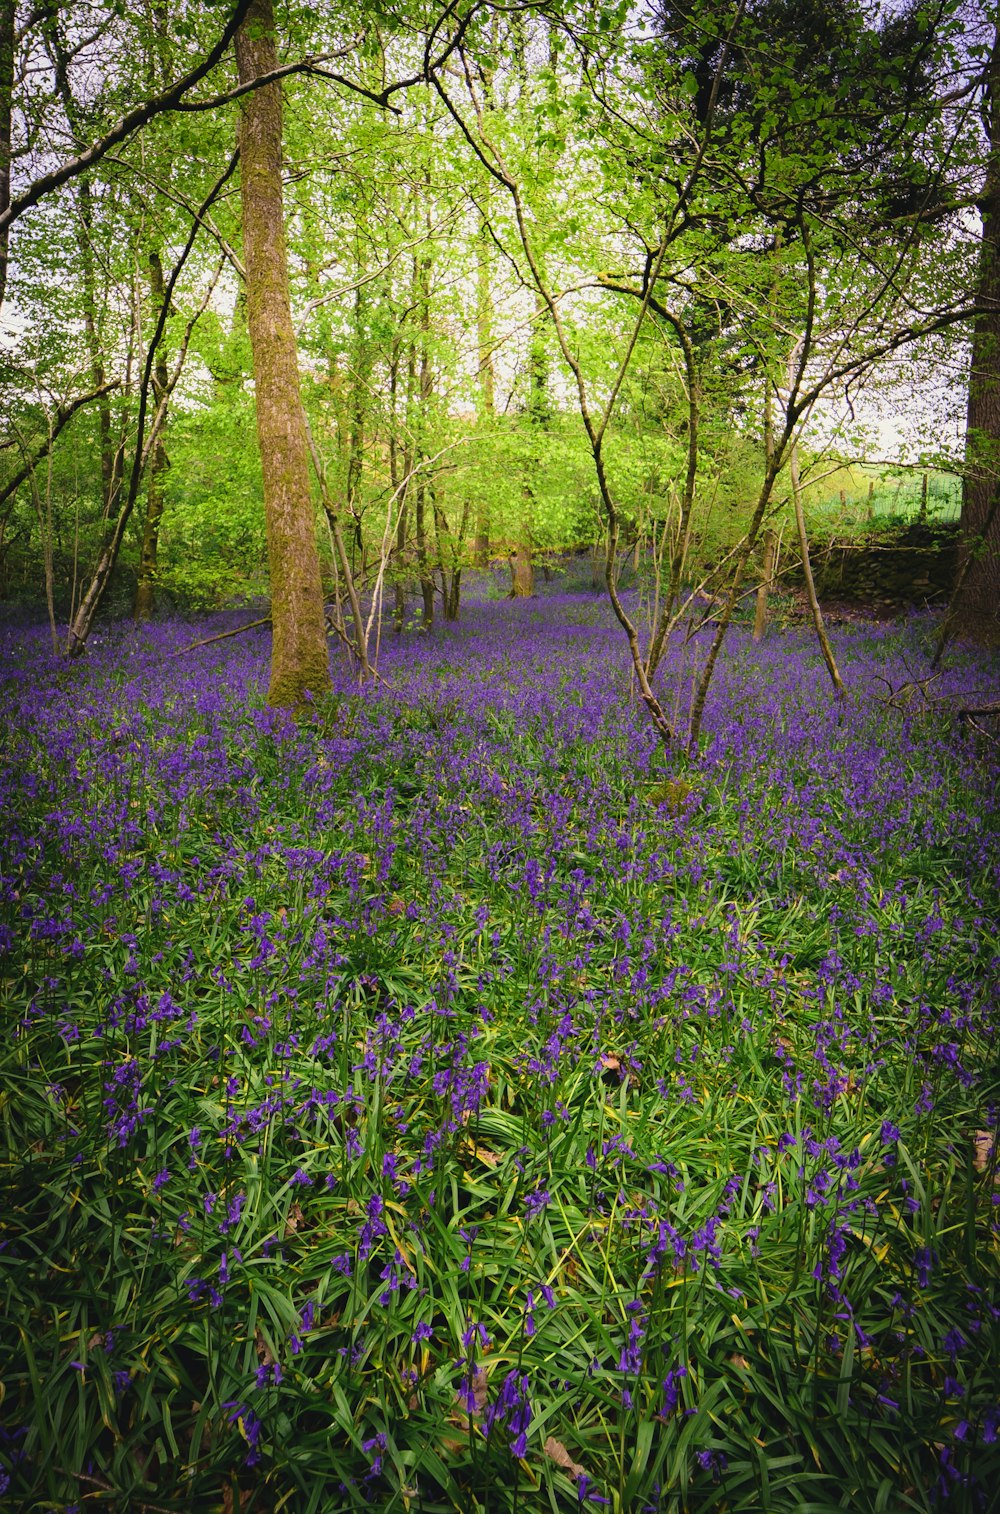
{"x": 480, "y": 1389}
{"x": 489, "y": 1158}
{"x": 982, "y": 1143}
{"x": 480, "y": 1394}
{"x": 738, "y": 1360}
{"x": 264, "y": 1353}
{"x": 556, "y": 1451}
{"x": 293, "y": 1221}
{"x": 609, "y": 1062}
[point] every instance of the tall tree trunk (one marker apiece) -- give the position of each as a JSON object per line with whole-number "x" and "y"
{"x": 145, "y": 593}
{"x": 426, "y": 390}
{"x": 112, "y": 455}
{"x": 522, "y": 571}
{"x": 399, "y": 613}
{"x": 807, "y": 575}
{"x": 975, "y": 611}
{"x": 7, "y": 22}
{"x": 487, "y": 381}
{"x": 300, "y": 658}
{"x": 449, "y": 555}
{"x": 764, "y": 587}
{"x": 359, "y": 416}
{"x": 423, "y": 560}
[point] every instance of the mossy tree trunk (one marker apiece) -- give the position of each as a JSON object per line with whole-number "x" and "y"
{"x": 145, "y": 593}
{"x": 426, "y": 393}
{"x": 522, "y": 572}
{"x": 300, "y": 658}
{"x": 975, "y": 611}
{"x": 8, "y": 18}
{"x": 487, "y": 379}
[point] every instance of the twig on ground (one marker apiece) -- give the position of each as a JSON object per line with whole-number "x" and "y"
{"x": 206, "y": 641}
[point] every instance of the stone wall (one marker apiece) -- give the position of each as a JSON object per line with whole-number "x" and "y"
{"x": 912, "y": 563}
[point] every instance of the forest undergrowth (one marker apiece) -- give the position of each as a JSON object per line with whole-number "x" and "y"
{"x": 447, "y": 1101}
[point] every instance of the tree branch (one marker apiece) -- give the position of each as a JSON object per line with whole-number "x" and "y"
{"x": 63, "y": 414}
{"x": 168, "y": 99}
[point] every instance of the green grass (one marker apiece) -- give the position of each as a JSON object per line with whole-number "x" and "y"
{"x": 896, "y": 497}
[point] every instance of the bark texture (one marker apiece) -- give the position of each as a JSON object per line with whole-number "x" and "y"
{"x": 807, "y": 575}
{"x": 156, "y": 494}
{"x": 522, "y": 572}
{"x": 487, "y": 383}
{"x": 7, "y": 20}
{"x": 300, "y": 658}
{"x": 764, "y": 587}
{"x": 975, "y": 612}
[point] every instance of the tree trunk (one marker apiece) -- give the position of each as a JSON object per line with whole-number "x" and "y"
{"x": 522, "y": 573}
{"x": 767, "y": 578}
{"x": 449, "y": 555}
{"x": 426, "y": 390}
{"x": 487, "y": 382}
{"x": 145, "y": 593}
{"x": 7, "y": 24}
{"x": 112, "y": 454}
{"x": 300, "y": 658}
{"x": 359, "y": 416}
{"x": 423, "y": 562}
{"x": 807, "y": 574}
{"x": 976, "y": 611}
{"x": 402, "y": 529}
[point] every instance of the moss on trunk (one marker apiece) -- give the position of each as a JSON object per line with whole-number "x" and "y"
{"x": 300, "y": 658}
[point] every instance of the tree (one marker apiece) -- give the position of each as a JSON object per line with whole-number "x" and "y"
{"x": 975, "y": 611}
{"x": 8, "y": 18}
{"x": 300, "y": 659}
{"x": 691, "y": 186}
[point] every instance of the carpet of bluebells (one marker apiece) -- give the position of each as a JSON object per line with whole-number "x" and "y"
{"x": 450, "y": 1100}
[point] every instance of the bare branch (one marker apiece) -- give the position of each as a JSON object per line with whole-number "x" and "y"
{"x": 168, "y": 99}
{"x": 63, "y": 414}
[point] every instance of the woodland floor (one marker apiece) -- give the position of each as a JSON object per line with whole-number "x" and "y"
{"x": 452, "y": 1101}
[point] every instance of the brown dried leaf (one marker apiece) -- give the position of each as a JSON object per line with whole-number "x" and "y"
{"x": 739, "y": 1360}
{"x": 610, "y": 1063}
{"x": 294, "y": 1219}
{"x": 982, "y": 1143}
{"x": 556, "y": 1451}
{"x": 264, "y": 1353}
{"x": 480, "y": 1394}
{"x": 469, "y": 1149}
{"x": 480, "y": 1389}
